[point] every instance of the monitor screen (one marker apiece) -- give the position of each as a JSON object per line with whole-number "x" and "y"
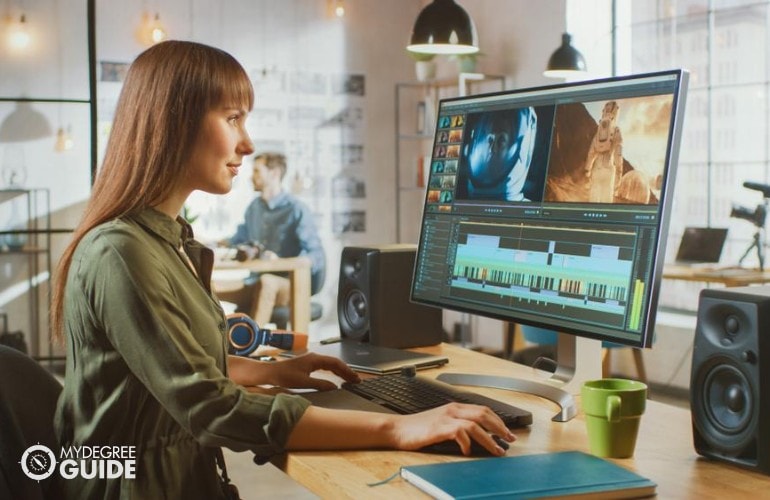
{"x": 549, "y": 206}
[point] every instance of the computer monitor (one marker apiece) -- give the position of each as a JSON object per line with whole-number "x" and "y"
{"x": 552, "y": 205}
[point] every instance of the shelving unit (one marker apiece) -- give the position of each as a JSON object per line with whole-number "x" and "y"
{"x": 25, "y": 259}
{"x": 416, "y": 108}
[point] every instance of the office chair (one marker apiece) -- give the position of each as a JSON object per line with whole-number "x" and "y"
{"x": 281, "y": 314}
{"x": 28, "y": 396}
{"x": 545, "y": 348}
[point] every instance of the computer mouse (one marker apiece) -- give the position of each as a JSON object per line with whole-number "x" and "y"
{"x": 453, "y": 448}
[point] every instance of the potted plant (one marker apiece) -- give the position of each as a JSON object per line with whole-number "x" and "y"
{"x": 424, "y": 65}
{"x": 466, "y": 63}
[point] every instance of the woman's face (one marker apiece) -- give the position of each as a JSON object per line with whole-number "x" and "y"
{"x": 218, "y": 151}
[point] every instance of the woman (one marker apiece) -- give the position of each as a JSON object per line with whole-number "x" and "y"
{"x": 147, "y": 364}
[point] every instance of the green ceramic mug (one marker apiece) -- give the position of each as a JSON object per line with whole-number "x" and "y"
{"x": 613, "y": 408}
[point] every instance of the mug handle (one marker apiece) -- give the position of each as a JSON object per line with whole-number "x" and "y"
{"x": 613, "y": 408}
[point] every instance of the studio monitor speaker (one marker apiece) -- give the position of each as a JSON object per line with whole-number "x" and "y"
{"x": 373, "y": 303}
{"x": 730, "y": 380}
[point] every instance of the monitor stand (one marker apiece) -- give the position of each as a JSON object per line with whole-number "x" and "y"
{"x": 578, "y": 359}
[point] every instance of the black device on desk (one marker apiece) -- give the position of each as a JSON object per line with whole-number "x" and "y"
{"x": 701, "y": 245}
{"x": 553, "y": 211}
{"x": 407, "y": 393}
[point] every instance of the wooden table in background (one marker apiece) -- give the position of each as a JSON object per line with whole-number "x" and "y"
{"x": 664, "y": 450}
{"x": 728, "y": 276}
{"x": 298, "y": 271}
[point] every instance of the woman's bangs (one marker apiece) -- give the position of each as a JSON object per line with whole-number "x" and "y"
{"x": 235, "y": 88}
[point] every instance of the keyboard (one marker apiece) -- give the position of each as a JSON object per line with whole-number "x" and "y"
{"x": 407, "y": 394}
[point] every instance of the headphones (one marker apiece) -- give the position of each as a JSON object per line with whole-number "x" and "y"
{"x": 244, "y": 336}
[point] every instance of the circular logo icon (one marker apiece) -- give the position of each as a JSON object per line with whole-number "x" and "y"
{"x": 38, "y": 462}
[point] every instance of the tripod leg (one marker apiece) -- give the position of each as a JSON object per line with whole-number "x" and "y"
{"x": 754, "y": 243}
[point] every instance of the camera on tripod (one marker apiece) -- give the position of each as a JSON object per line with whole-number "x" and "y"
{"x": 756, "y": 217}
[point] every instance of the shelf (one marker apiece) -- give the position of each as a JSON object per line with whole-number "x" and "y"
{"x": 28, "y": 210}
{"x": 44, "y": 99}
{"x": 455, "y": 81}
{"x": 9, "y": 194}
{"x": 416, "y": 137}
{"x": 21, "y": 251}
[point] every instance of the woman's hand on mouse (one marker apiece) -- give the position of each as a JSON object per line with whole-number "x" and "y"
{"x": 456, "y": 422}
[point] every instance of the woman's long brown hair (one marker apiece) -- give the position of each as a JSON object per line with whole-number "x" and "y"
{"x": 167, "y": 91}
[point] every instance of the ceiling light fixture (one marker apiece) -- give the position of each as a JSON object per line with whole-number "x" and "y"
{"x": 151, "y": 29}
{"x": 64, "y": 141}
{"x": 443, "y": 27}
{"x": 157, "y": 30}
{"x": 339, "y": 8}
{"x": 24, "y": 123}
{"x": 566, "y": 61}
{"x": 18, "y": 34}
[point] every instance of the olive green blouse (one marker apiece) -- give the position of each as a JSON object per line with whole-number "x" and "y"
{"x": 146, "y": 364}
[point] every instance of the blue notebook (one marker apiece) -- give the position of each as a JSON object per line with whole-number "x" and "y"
{"x": 569, "y": 474}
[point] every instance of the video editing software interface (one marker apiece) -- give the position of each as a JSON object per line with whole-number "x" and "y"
{"x": 549, "y": 205}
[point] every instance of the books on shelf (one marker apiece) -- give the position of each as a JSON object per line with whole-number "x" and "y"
{"x": 569, "y": 474}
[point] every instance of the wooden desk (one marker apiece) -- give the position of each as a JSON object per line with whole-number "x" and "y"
{"x": 298, "y": 270}
{"x": 664, "y": 451}
{"x": 733, "y": 276}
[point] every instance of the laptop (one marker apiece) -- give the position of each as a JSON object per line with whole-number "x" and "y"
{"x": 701, "y": 245}
{"x": 368, "y": 358}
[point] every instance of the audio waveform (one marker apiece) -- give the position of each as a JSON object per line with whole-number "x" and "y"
{"x": 564, "y": 268}
{"x": 578, "y": 285}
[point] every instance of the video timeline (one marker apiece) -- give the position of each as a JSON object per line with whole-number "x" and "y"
{"x": 549, "y": 269}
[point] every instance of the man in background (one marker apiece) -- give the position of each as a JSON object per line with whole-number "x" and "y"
{"x": 279, "y": 225}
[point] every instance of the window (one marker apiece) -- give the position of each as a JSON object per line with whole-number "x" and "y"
{"x": 724, "y": 44}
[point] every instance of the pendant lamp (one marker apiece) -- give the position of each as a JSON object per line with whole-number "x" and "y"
{"x": 443, "y": 27}
{"x": 566, "y": 61}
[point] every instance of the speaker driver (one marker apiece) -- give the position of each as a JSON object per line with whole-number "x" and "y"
{"x": 355, "y": 312}
{"x": 352, "y": 269}
{"x": 726, "y": 402}
{"x": 724, "y": 324}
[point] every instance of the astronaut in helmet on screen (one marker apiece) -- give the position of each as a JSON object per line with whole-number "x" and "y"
{"x": 498, "y": 152}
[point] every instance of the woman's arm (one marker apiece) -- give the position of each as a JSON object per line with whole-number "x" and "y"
{"x": 326, "y": 429}
{"x": 290, "y": 373}
{"x": 321, "y": 428}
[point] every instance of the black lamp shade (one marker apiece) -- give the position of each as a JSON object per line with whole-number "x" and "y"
{"x": 25, "y": 123}
{"x": 566, "y": 60}
{"x": 443, "y": 27}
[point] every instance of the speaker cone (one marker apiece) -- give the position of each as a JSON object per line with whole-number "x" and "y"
{"x": 355, "y": 314}
{"x": 725, "y": 408}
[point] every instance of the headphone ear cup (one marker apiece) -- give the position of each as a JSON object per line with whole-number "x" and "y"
{"x": 242, "y": 334}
